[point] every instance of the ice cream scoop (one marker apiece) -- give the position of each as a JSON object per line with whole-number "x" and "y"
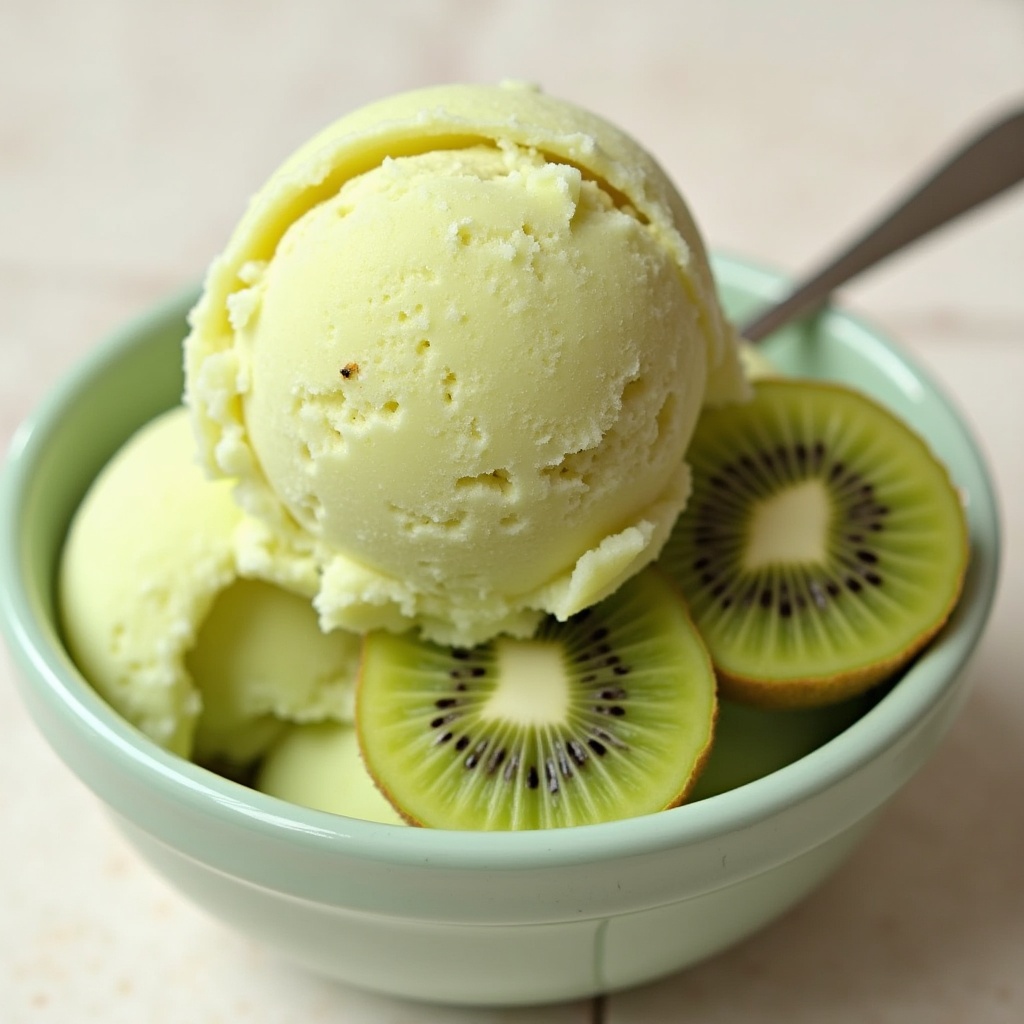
{"x": 320, "y": 766}
{"x": 158, "y": 617}
{"x": 453, "y": 355}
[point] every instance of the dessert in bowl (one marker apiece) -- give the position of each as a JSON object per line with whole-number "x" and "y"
{"x": 483, "y": 917}
{"x": 480, "y": 435}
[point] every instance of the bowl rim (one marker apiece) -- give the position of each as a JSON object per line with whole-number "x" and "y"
{"x": 52, "y": 676}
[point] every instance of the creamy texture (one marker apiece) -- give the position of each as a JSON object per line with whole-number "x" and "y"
{"x": 260, "y": 662}
{"x": 158, "y": 618}
{"x": 320, "y": 766}
{"x": 453, "y": 356}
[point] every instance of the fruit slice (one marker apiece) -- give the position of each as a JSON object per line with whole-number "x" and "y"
{"x": 822, "y": 547}
{"x": 608, "y": 715}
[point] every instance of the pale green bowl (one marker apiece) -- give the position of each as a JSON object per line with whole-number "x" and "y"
{"x": 475, "y": 917}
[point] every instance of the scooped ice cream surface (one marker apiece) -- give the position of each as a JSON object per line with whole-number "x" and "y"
{"x": 454, "y": 354}
{"x": 160, "y": 620}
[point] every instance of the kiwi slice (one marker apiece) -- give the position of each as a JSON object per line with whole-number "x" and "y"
{"x": 607, "y": 715}
{"x": 822, "y": 547}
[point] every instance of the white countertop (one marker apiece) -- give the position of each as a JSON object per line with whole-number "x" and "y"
{"x": 130, "y": 137}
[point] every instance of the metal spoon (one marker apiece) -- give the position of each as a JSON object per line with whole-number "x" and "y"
{"x": 986, "y": 165}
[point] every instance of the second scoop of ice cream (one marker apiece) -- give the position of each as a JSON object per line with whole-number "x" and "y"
{"x": 468, "y": 377}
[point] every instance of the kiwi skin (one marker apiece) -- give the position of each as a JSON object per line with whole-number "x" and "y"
{"x": 810, "y": 688}
{"x": 817, "y": 691}
{"x": 692, "y": 751}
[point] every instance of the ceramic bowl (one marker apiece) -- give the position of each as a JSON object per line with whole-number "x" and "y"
{"x": 479, "y": 918}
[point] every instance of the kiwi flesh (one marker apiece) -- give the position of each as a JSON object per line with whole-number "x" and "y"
{"x": 607, "y": 715}
{"x": 822, "y": 547}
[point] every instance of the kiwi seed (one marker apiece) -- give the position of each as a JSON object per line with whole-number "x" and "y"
{"x": 608, "y": 715}
{"x": 822, "y": 547}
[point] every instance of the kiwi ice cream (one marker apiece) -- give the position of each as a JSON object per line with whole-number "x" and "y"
{"x": 445, "y": 380}
{"x": 452, "y": 358}
{"x": 157, "y": 615}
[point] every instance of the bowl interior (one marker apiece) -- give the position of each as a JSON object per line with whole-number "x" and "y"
{"x": 137, "y": 373}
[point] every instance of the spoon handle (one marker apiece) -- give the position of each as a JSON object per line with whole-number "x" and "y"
{"x": 982, "y": 168}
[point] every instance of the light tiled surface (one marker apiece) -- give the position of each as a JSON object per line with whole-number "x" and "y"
{"x": 130, "y": 136}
